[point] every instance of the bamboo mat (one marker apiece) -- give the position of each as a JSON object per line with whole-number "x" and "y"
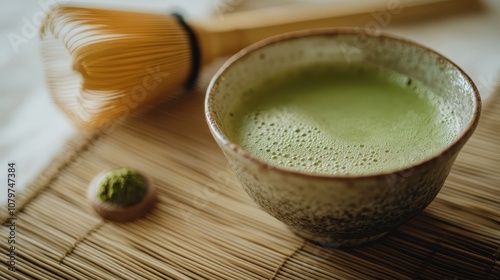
{"x": 205, "y": 227}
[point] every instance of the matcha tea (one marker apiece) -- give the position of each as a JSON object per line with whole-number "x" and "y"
{"x": 346, "y": 119}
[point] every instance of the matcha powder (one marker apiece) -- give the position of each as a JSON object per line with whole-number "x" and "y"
{"x": 122, "y": 187}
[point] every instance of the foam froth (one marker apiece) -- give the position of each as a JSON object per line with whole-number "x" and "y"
{"x": 342, "y": 120}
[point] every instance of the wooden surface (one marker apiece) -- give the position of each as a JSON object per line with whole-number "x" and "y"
{"x": 205, "y": 227}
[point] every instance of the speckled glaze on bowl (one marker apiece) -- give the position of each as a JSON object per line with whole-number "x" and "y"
{"x": 340, "y": 210}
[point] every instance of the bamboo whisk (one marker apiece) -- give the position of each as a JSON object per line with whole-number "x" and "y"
{"x": 101, "y": 64}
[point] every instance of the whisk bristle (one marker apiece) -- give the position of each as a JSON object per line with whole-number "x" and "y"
{"x": 100, "y": 64}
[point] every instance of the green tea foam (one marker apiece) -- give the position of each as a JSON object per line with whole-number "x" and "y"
{"x": 345, "y": 119}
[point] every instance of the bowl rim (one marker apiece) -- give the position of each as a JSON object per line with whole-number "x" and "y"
{"x": 322, "y": 32}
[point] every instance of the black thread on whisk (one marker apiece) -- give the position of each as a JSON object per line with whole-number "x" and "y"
{"x": 195, "y": 51}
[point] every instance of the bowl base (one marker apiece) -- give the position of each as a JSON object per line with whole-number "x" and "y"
{"x": 333, "y": 242}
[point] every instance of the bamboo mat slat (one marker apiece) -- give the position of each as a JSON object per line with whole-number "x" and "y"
{"x": 205, "y": 226}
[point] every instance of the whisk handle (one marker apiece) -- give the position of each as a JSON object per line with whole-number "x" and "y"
{"x": 229, "y": 33}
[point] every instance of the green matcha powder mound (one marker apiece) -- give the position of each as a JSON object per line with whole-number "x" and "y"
{"x": 122, "y": 187}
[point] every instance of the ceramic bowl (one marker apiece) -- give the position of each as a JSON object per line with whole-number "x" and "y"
{"x": 340, "y": 210}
